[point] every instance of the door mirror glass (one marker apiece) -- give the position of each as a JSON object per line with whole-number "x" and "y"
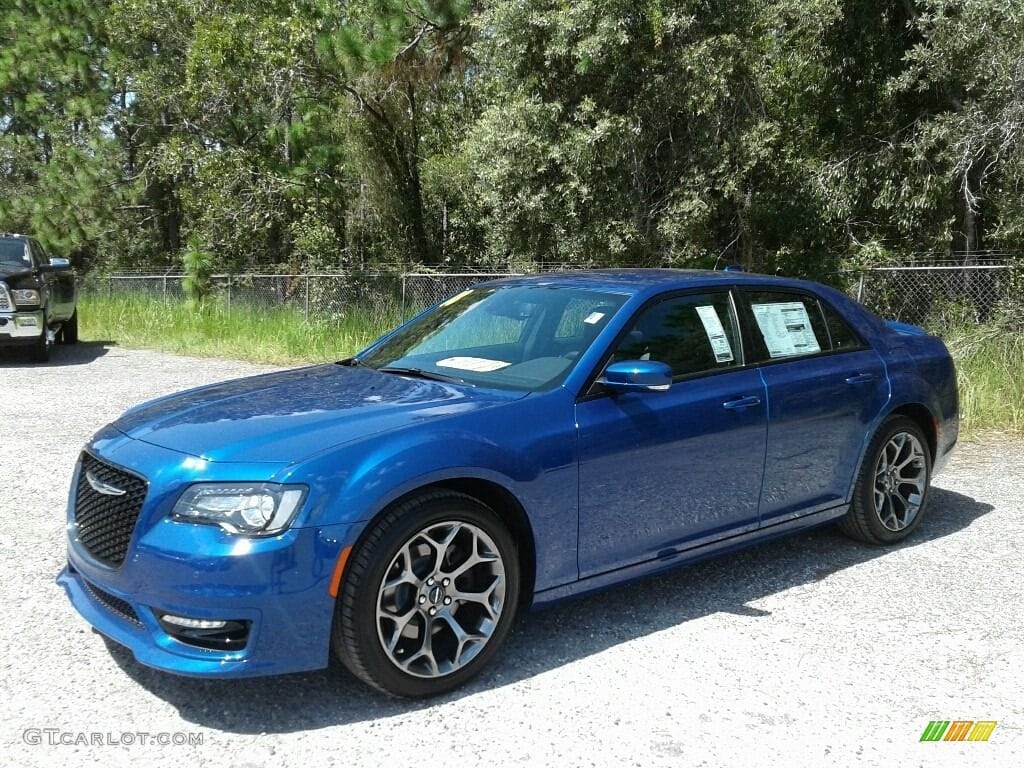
{"x": 637, "y": 376}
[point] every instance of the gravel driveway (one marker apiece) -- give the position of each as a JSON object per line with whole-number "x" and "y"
{"x": 809, "y": 651}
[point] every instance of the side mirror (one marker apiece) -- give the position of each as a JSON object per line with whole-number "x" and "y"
{"x": 56, "y": 265}
{"x": 637, "y": 376}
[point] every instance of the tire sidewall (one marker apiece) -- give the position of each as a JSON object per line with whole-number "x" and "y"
{"x": 866, "y": 482}
{"x": 362, "y": 592}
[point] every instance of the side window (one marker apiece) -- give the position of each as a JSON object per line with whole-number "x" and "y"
{"x": 787, "y": 325}
{"x": 692, "y": 334}
{"x": 37, "y": 254}
{"x": 841, "y": 334}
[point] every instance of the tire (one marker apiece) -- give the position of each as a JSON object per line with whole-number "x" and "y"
{"x": 425, "y": 595}
{"x": 39, "y": 352}
{"x": 884, "y": 509}
{"x": 69, "y": 330}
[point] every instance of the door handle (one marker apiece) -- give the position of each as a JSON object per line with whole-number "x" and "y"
{"x": 742, "y": 402}
{"x": 860, "y": 378}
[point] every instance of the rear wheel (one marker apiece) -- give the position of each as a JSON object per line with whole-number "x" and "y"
{"x": 892, "y": 488}
{"x": 69, "y": 331}
{"x": 428, "y": 597}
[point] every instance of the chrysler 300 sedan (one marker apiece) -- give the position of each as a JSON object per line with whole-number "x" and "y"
{"x": 522, "y": 442}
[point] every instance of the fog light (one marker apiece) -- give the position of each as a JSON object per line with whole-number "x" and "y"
{"x": 211, "y": 634}
{"x": 183, "y": 621}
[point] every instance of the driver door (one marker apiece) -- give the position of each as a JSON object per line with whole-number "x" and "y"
{"x": 664, "y": 471}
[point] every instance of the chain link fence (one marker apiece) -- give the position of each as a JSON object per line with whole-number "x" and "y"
{"x": 922, "y": 294}
{"x": 914, "y": 293}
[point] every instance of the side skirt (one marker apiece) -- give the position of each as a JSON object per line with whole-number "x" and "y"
{"x": 686, "y": 556}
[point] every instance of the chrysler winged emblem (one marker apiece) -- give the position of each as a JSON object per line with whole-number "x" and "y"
{"x": 105, "y": 488}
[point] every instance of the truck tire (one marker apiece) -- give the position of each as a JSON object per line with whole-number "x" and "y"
{"x": 69, "y": 330}
{"x": 39, "y": 352}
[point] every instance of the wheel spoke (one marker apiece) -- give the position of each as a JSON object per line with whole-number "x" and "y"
{"x": 462, "y": 637}
{"x": 483, "y": 599}
{"x": 406, "y": 576}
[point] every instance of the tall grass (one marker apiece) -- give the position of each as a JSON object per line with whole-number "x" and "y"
{"x": 279, "y": 335}
{"x": 990, "y": 372}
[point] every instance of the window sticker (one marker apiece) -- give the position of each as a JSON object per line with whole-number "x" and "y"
{"x": 480, "y": 364}
{"x": 593, "y": 317}
{"x": 716, "y": 334}
{"x": 786, "y": 328}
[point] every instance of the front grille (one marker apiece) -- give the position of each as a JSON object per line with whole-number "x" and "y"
{"x": 105, "y": 522}
{"x": 114, "y": 604}
{"x": 5, "y": 298}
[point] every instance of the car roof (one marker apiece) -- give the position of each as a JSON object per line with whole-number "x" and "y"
{"x": 637, "y": 281}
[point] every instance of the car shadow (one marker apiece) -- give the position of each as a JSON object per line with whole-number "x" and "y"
{"x": 550, "y": 638}
{"x": 61, "y": 355}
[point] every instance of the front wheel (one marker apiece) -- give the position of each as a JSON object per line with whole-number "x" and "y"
{"x": 429, "y": 596}
{"x": 39, "y": 352}
{"x": 892, "y": 488}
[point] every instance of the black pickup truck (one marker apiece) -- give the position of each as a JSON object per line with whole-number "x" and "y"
{"x": 38, "y": 297}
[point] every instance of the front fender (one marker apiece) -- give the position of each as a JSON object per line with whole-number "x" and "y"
{"x": 356, "y": 482}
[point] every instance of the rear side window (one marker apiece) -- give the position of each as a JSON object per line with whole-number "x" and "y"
{"x": 839, "y": 332}
{"x": 787, "y": 325}
{"x": 692, "y": 334}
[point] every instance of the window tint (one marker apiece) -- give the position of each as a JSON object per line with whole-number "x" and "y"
{"x": 691, "y": 334}
{"x": 787, "y": 325}
{"x": 14, "y": 253}
{"x": 841, "y": 334}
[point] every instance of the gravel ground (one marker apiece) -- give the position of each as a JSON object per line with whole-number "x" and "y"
{"x": 809, "y": 651}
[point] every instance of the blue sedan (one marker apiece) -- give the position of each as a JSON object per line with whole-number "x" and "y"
{"x": 522, "y": 442}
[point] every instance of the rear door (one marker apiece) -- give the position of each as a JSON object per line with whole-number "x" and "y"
{"x": 825, "y": 388}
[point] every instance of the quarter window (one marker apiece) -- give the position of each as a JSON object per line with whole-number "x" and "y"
{"x": 691, "y": 334}
{"x": 841, "y": 334}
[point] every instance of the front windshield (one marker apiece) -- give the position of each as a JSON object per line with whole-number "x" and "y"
{"x": 13, "y": 253}
{"x": 512, "y": 337}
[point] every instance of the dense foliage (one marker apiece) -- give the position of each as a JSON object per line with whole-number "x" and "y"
{"x": 314, "y": 134}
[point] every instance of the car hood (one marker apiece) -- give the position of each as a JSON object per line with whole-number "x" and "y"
{"x": 14, "y": 271}
{"x": 287, "y": 416}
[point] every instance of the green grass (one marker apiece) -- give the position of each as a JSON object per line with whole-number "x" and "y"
{"x": 989, "y": 358}
{"x": 990, "y": 371}
{"x": 279, "y": 335}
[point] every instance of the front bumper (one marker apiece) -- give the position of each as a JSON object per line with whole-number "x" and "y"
{"x": 282, "y": 593}
{"x": 21, "y": 326}
{"x": 278, "y": 586}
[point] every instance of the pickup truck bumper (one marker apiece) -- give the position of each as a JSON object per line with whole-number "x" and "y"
{"x": 23, "y": 327}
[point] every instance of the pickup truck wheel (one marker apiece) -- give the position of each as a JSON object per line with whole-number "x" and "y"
{"x": 69, "y": 331}
{"x": 39, "y": 352}
{"x": 892, "y": 488}
{"x": 428, "y": 597}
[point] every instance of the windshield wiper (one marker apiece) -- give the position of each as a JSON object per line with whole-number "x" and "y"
{"x": 351, "y": 362}
{"x": 422, "y": 374}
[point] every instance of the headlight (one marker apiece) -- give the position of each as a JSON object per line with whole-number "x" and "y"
{"x": 25, "y": 296}
{"x": 253, "y": 509}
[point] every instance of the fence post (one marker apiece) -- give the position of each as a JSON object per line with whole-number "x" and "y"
{"x": 404, "y": 276}
{"x": 229, "y": 295}
{"x": 860, "y": 288}
{"x": 307, "y": 296}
